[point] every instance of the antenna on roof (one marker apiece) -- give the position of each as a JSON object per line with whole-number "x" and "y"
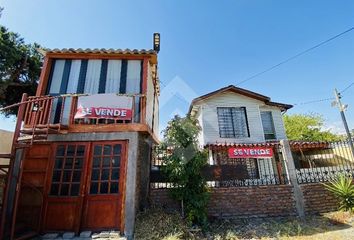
{"x": 157, "y": 42}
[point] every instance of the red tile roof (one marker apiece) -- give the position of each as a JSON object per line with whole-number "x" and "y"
{"x": 295, "y": 145}
{"x": 102, "y": 51}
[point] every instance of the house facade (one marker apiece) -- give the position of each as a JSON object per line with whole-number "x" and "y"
{"x": 83, "y": 143}
{"x": 239, "y": 127}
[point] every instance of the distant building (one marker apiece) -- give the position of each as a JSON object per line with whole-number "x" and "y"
{"x": 5, "y": 144}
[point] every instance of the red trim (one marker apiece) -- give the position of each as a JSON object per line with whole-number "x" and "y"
{"x": 43, "y": 79}
{"x": 145, "y": 75}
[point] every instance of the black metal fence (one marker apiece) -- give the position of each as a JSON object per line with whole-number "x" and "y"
{"x": 323, "y": 161}
{"x": 223, "y": 171}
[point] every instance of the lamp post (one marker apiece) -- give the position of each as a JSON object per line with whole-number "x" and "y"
{"x": 157, "y": 42}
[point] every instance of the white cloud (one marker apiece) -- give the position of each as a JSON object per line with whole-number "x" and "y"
{"x": 334, "y": 127}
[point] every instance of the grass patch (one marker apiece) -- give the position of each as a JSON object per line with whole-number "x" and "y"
{"x": 157, "y": 224}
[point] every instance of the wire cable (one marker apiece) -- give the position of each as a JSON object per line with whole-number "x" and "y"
{"x": 314, "y": 101}
{"x": 345, "y": 89}
{"x": 295, "y": 56}
{"x": 325, "y": 99}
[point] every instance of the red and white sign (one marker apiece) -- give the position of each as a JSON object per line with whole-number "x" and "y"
{"x": 254, "y": 152}
{"x": 104, "y": 106}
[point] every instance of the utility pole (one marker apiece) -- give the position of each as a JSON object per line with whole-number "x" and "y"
{"x": 342, "y": 108}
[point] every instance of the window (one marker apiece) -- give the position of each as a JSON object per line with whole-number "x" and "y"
{"x": 105, "y": 169}
{"x": 67, "y": 170}
{"x": 232, "y": 122}
{"x": 268, "y": 125}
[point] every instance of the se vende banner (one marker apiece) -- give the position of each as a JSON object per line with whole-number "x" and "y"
{"x": 104, "y": 106}
{"x": 254, "y": 152}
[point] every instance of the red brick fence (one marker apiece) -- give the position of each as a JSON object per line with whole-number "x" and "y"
{"x": 293, "y": 190}
{"x": 256, "y": 201}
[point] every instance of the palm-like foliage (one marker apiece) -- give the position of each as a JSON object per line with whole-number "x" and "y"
{"x": 343, "y": 189}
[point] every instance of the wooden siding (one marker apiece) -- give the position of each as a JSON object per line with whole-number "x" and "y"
{"x": 149, "y": 98}
{"x": 201, "y": 134}
{"x": 33, "y": 187}
{"x": 156, "y": 116}
{"x": 209, "y": 118}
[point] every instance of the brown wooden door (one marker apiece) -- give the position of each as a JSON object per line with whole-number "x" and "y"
{"x": 63, "y": 205}
{"x": 104, "y": 192}
{"x": 86, "y": 187}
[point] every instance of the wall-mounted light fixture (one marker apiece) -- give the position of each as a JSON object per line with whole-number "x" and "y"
{"x": 157, "y": 42}
{"x": 35, "y": 107}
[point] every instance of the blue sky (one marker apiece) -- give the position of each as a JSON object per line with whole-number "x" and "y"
{"x": 207, "y": 45}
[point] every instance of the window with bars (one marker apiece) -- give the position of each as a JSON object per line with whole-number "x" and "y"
{"x": 268, "y": 125}
{"x": 232, "y": 122}
{"x": 105, "y": 169}
{"x": 67, "y": 170}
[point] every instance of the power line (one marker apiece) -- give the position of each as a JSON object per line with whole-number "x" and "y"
{"x": 295, "y": 56}
{"x": 345, "y": 89}
{"x": 324, "y": 99}
{"x": 313, "y": 101}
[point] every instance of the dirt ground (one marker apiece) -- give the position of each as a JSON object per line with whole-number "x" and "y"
{"x": 157, "y": 224}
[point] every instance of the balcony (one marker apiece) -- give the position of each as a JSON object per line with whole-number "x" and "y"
{"x": 43, "y": 115}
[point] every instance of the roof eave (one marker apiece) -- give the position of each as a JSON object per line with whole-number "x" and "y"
{"x": 72, "y": 53}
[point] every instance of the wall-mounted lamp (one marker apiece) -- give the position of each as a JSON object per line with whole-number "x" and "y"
{"x": 157, "y": 42}
{"x": 35, "y": 107}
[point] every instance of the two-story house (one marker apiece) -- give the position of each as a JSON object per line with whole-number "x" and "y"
{"x": 239, "y": 127}
{"x": 83, "y": 143}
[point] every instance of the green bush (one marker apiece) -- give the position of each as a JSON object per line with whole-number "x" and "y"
{"x": 343, "y": 189}
{"x": 183, "y": 168}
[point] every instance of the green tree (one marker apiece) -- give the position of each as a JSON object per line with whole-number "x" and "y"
{"x": 183, "y": 168}
{"x": 20, "y": 67}
{"x": 307, "y": 127}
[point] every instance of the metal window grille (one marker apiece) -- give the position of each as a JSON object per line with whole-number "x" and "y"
{"x": 227, "y": 172}
{"x": 232, "y": 122}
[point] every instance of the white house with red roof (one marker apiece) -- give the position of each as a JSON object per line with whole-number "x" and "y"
{"x": 241, "y": 127}
{"x": 236, "y": 115}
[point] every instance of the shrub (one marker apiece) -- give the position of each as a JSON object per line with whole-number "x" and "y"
{"x": 343, "y": 189}
{"x": 183, "y": 168}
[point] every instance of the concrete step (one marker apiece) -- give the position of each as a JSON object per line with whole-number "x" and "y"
{"x": 85, "y": 235}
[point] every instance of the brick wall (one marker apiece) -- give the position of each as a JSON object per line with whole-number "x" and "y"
{"x": 161, "y": 198}
{"x": 257, "y": 201}
{"x": 260, "y": 201}
{"x": 317, "y": 199}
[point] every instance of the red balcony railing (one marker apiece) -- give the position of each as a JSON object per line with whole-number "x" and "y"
{"x": 58, "y": 112}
